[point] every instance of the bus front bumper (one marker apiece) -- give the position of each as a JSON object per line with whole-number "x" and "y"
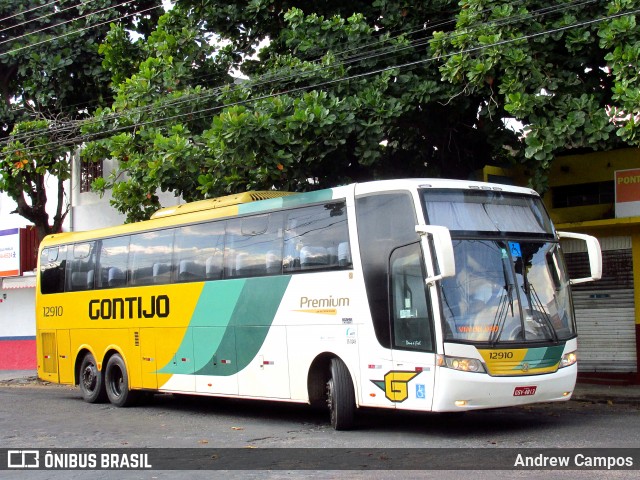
{"x": 457, "y": 391}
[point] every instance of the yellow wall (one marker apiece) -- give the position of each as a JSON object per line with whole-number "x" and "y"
{"x": 588, "y": 168}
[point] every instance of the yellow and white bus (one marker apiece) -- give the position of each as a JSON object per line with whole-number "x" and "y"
{"x": 422, "y": 294}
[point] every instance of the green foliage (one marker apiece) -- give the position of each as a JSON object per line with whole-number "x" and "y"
{"x": 25, "y": 162}
{"x": 550, "y": 72}
{"x": 51, "y": 71}
{"x": 340, "y": 92}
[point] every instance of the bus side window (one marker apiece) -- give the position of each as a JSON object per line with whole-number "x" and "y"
{"x": 146, "y": 250}
{"x": 80, "y": 269}
{"x": 254, "y": 246}
{"x": 112, "y": 264}
{"x": 52, "y": 269}
{"x": 316, "y": 238}
{"x": 198, "y": 251}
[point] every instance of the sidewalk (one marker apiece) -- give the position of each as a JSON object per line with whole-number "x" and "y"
{"x": 584, "y": 392}
{"x": 17, "y": 376}
{"x": 617, "y": 394}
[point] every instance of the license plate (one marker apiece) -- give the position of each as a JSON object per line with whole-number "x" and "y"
{"x": 524, "y": 391}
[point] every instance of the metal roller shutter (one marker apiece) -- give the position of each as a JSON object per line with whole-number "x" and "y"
{"x": 605, "y": 311}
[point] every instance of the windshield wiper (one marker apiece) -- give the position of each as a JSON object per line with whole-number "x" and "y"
{"x": 537, "y": 307}
{"x": 506, "y": 304}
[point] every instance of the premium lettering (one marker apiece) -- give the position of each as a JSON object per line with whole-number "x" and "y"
{"x": 306, "y": 302}
{"x": 129, "y": 307}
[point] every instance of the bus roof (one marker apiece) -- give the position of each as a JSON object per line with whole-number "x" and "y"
{"x": 418, "y": 183}
{"x": 211, "y": 203}
{"x": 256, "y": 201}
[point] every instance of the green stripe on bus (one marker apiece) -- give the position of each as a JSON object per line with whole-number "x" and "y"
{"x": 544, "y": 357}
{"x": 286, "y": 202}
{"x": 229, "y": 324}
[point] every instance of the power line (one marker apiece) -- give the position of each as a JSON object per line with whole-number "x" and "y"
{"x": 424, "y": 29}
{"x": 266, "y": 79}
{"x": 33, "y": 20}
{"x": 112, "y": 7}
{"x": 28, "y": 11}
{"x": 93, "y": 137}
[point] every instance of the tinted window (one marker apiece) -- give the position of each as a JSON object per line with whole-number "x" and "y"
{"x": 385, "y": 222}
{"x": 317, "y": 237}
{"x": 80, "y": 274}
{"x": 52, "y": 267}
{"x": 199, "y": 251}
{"x": 486, "y": 211}
{"x": 150, "y": 257}
{"x": 114, "y": 253}
{"x": 254, "y": 246}
{"x": 411, "y": 317}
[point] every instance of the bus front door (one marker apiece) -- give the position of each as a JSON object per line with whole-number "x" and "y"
{"x": 410, "y": 384}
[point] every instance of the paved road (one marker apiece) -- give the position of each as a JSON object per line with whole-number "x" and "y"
{"x": 53, "y": 416}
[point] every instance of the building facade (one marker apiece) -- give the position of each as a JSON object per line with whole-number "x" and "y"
{"x": 88, "y": 210}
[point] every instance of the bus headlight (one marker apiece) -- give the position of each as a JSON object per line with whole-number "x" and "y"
{"x": 461, "y": 363}
{"x": 568, "y": 359}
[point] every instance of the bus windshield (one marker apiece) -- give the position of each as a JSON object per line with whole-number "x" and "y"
{"x": 507, "y": 292}
{"x": 510, "y": 284}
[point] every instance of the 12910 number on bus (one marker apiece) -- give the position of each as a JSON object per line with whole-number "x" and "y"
{"x": 55, "y": 311}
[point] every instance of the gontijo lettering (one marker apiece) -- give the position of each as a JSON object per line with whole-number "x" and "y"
{"x": 129, "y": 307}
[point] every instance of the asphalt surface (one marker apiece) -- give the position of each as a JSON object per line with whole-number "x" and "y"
{"x": 585, "y": 391}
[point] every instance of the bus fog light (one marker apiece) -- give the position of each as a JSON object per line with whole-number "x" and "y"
{"x": 568, "y": 359}
{"x": 460, "y": 403}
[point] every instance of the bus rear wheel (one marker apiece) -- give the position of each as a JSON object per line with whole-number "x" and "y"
{"x": 91, "y": 381}
{"x": 117, "y": 383}
{"x": 340, "y": 396}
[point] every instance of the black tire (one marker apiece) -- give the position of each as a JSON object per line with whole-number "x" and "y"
{"x": 341, "y": 396}
{"x": 116, "y": 382}
{"x": 91, "y": 381}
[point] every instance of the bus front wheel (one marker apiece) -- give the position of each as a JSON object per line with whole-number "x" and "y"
{"x": 91, "y": 381}
{"x": 340, "y": 396}
{"x": 117, "y": 383}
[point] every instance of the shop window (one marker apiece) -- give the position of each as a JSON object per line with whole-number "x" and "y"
{"x": 583, "y": 194}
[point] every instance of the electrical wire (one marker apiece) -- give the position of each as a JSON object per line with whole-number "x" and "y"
{"x": 33, "y": 20}
{"x": 28, "y": 11}
{"x": 31, "y": 45}
{"x": 296, "y": 76}
{"x": 88, "y": 137}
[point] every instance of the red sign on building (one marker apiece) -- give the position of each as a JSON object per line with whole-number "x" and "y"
{"x": 627, "y": 193}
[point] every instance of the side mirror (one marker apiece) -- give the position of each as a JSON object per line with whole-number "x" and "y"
{"x": 594, "y": 252}
{"x": 443, "y": 250}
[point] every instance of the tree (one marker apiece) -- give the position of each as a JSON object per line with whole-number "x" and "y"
{"x": 397, "y": 89}
{"x": 51, "y": 75}
{"x": 159, "y": 112}
{"x": 559, "y": 70}
{"x": 25, "y": 166}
